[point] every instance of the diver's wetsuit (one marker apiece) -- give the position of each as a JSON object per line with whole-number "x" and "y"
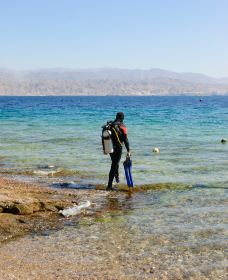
{"x": 121, "y": 130}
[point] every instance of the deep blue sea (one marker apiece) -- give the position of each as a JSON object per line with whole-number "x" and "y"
{"x": 177, "y": 233}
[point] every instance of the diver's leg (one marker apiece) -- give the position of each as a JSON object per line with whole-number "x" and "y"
{"x": 117, "y": 170}
{"x": 115, "y": 157}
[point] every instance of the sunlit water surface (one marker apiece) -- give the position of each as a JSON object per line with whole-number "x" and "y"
{"x": 178, "y": 233}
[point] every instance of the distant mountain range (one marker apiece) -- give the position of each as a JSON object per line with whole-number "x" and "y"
{"x": 108, "y": 81}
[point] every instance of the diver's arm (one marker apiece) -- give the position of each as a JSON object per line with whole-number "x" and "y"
{"x": 126, "y": 143}
{"x": 125, "y": 139}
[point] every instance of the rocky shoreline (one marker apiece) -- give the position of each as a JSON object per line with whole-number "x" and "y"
{"x": 27, "y": 208}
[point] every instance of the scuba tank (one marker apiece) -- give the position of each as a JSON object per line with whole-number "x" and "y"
{"x": 107, "y": 140}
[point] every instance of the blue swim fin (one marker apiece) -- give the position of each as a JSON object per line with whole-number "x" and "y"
{"x": 128, "y": 174}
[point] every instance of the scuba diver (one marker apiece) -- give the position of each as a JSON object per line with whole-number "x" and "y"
{"x": 118, "y": 133}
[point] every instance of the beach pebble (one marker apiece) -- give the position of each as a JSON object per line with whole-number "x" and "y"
{"x": 223, "y": 140}
{"x": 156, "y": 150}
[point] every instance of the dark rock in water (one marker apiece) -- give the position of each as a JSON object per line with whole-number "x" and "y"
{"x": 65, "y": 185}
{"x": 72, "y": 185}
{"x": 49, "y": 166}
{"x": 45, "y": 233}
{"x": 223, "y": 140}
{"x": 203, "y": 186}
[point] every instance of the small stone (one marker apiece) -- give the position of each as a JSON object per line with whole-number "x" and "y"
{"x": 152, "y": 270}
{"x": 21, "y": 221}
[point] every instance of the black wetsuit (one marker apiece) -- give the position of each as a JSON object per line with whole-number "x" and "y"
{"x": 121, "y": 131}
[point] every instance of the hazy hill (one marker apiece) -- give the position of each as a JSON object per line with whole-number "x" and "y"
{"x": 108, "y": 81}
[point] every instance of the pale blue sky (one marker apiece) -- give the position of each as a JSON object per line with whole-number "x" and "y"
{"x": 178, "y": 35}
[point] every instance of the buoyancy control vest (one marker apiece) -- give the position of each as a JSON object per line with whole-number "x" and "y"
{"x": 110, "y": 137}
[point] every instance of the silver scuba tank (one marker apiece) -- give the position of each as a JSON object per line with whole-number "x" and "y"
{"x": 107, "y": 142}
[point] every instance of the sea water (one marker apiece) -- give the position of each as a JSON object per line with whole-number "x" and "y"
{"x": 180, "y": 230}
{"x": 40, "y": 135}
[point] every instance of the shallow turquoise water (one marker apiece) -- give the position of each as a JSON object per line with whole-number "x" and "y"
{"x": 65, "y": 132}
{"x": 163, "y": 235}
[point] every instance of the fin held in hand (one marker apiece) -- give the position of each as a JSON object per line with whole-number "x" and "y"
{"x": 128, "y": 168}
